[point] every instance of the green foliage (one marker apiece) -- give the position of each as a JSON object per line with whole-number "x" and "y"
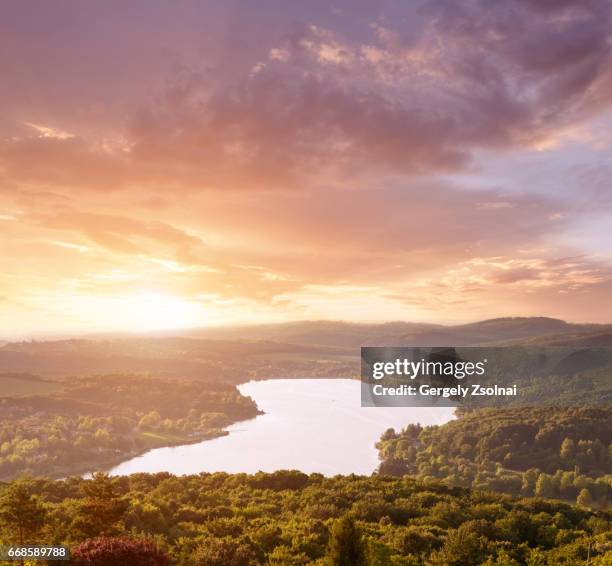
{"x": 502, "y": 559}
{"x": 546, "y": 452}
{"x": 584, "y": 498}
{"x": 291, "y": 519}
{"x": 21, "y": 513}
{"x": 95, "y": 422}
{"x": 101, "y": 511}
{"x": 345, "y": 545}
{"x": 463, "y": 546}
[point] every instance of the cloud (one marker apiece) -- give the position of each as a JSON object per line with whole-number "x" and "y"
{"x": 325, "y": 237}
{"x": 62, "y": 164}
{"x": 323, "y": 105}
{"x": 121, "y": 234}
{"x": 50, "y": 132}
{"x": 509, "y": 284}
{"x": 370, "y": 150}
{"x": 68, "y": 245}
{"x": 564, "y": 274}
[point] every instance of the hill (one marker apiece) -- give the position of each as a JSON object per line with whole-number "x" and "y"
{"x": 347, "y": 334}
{"x": 222, "y": 360}
{"x": 298, "y": 349}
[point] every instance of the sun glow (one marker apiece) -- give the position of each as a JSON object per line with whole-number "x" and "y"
{"x": 155, "y": 311}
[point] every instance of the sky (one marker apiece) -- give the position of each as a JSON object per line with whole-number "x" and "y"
{"x": 175, "y": 164}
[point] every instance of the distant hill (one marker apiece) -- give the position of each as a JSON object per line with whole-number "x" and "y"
{"x": 347, "y": 334}
{"x": 210, "y": 360}
{"x": 329, "y": 333}
{"x": 596, "y": 339}
{"x": 296, "y": 349}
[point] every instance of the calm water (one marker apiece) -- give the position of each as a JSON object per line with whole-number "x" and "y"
{"x": 313, "y": 425}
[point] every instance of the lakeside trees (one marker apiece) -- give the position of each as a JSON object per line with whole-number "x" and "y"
{"x": 547, "y": 452}
{"x": 91, "y": 423}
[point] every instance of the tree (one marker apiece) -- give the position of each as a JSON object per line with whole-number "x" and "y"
{"x": 503, "y": 559}
{"x": 223, "y": 552}
{"x": 568, "y": 449}
{"x": 530, "y": 477}
{"x": 345, "y": 544}
{"x": 102, "y": 510}
{"x": 545, "y": 486}
{"x": 584, "y": 498}
{"x": 150, "y": 421}
{"x": 463, "y": 546}
{"x": 537, "y": 558}
{"x": 119, "y": 551}
{"x": 22, "y": 513}
{"x": 284, "y": 556}
{"x": 389, "y": 434}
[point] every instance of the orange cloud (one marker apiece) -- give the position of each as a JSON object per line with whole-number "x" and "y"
{"x": 357, "y": 167}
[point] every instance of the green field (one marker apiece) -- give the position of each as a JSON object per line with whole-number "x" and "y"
{"x": 12, "y": 385}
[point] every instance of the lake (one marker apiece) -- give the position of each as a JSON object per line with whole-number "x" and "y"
{"x": 312, "y": 425}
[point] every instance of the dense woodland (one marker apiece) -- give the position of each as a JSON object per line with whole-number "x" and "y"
{"x": 289, "y": 518}
{"x": 564, "y": 453}
{"x": 88, "y": 424}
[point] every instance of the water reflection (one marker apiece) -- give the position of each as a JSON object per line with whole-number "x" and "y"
{"x": 313, "y": 425}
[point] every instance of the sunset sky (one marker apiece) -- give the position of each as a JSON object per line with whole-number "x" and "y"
{"x": 174, "y": 164}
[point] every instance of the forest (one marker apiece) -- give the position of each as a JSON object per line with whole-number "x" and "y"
{"x": 288, "y": 518}
{"x": 91, "y": 423}
{"x": 563, "y": 453}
